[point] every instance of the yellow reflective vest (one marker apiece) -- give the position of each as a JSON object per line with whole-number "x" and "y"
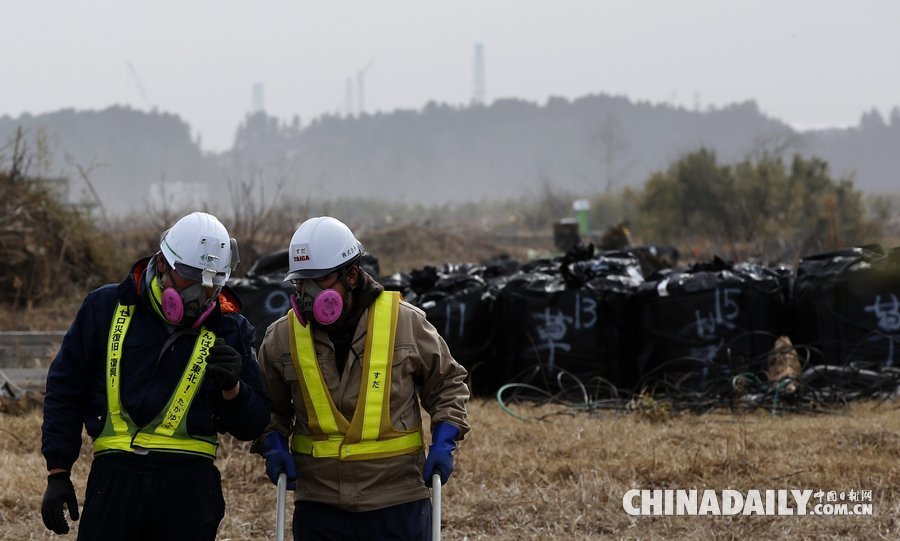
{"x": 369, "y": 434}
{"x": 168, "y": 431}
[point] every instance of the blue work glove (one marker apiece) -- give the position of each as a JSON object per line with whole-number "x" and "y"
{"x": 440, "y": 454}
{"x": 279, "y": 459}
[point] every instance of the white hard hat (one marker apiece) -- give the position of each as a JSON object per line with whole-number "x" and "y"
{"x": 319, "y": 246}
{"x": 198, "y": 248}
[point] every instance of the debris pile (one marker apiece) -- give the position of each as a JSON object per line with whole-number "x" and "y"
{"x": 44, "y": 243}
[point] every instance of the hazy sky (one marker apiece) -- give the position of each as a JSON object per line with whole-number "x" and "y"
{"x": 811, "y": 63}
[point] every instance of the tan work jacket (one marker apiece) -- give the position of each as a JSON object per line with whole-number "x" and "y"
{"x": 421, "y": 359}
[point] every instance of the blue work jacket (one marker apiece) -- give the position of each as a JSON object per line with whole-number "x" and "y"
{"x": 154, "y": 357}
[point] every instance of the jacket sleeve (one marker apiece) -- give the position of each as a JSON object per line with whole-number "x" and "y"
{"x": 69, "y": 388}
{"x": 275, "y": 347}
{"x": 246, "y": 415}
{"x": 443, "y": 391}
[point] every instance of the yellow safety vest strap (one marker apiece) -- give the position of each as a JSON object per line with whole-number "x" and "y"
{"x": 334, "y": 447}
{"x": 403, "y": 445}
{"x": 305, "y": 445}
{"x": 376, "y": 386}
{"x": 369, "y": 434}
{"x": 155, "y": 442}
{"x": 168, "y": 432}
{"x": 323, "y": 416}
{"x": 187, "y": 387}
{"x": 371, "y": 420}
{"x": 121, "y": 321}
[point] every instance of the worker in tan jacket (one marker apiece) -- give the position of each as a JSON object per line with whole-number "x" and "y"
{"x": 347, "y": 369}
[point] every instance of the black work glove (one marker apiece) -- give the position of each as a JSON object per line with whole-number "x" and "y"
{"x": 224, "y": 365}
{"x": 59, "y": 491}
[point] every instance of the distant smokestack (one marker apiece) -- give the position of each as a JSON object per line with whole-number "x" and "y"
{"x": 348, "y": 98}
{"x": 259, "y": 98}
{"x": 360, "y": 92}
{"x": 478, "y": 76}
{"x": 361, "y": 88}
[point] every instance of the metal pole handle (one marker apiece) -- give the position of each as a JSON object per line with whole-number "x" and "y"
{"x": 279, "y": 509}
{"x": 436, "y": 507}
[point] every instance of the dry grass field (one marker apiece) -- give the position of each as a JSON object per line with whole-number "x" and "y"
{"x": 564, "y": 477}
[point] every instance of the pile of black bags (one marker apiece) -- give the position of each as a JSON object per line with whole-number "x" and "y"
{"x": 611, "y": 317}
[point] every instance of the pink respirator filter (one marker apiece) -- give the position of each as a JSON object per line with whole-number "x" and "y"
{"x": 172, "y": 307}
{"x": 328, "y": 306}
{"x": 204, "y": 315}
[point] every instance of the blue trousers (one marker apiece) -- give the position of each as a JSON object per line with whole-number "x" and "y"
{"x": 405, "y": 522}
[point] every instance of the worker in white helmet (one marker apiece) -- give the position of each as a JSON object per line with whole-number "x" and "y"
{"x": 347, "y": 369}
{"x": 154, "y": 368}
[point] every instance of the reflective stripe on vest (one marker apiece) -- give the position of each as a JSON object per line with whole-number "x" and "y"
{"x": 168, "y": 431}
{"x": 369, "y": 434}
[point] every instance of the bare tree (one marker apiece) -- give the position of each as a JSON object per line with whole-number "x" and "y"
{"x": 612, "y": 147}
{"x": 252, "y": 212}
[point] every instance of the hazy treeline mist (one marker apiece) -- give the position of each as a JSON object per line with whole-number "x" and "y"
{"x": 440, "y": 154}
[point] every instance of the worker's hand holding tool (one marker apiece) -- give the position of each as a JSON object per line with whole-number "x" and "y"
{"x": 440, "y": 454}
{"x": 278, "y": 459}
{"x": 60, "y": 491}
{"x": 224, "y": 365}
